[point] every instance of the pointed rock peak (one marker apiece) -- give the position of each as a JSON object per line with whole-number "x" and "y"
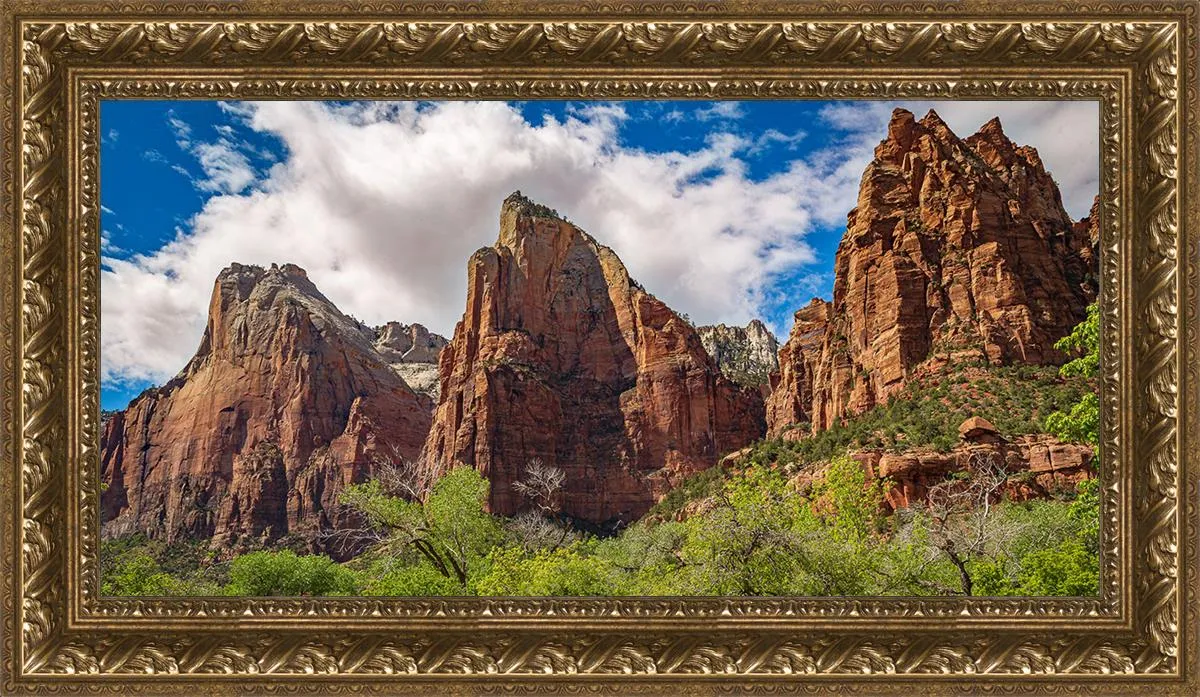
{"x": 993, "y": 132}
{"x": 524, "y": 206}
{"x": 992, "y": 127}
{"x": 932, "y": 118}
{"x": 935, "y": 125}
{"x": 902, "y": 127}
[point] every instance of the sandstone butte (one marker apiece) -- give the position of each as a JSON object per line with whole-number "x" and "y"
{"x": 286, "y": 401}
{"x": 562, "y": 357}
{"x": 956, "y": 249}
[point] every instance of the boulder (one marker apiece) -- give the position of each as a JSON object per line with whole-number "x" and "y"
{"x": 977, "y": 429}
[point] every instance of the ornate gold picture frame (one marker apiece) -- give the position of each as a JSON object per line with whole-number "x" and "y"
{"x": 1138, "y": 61}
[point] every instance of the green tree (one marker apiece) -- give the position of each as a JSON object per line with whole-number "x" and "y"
{"x": 287, "y": 573}
{"x": 565, "y": 571}
{"x": 1080, "y": 423}
{"x": 138, "y": 574}
{"x": 645, "y": 558}
{"x": 748, "y": 542}
{"x": 451, "y": 529}
{"x": 853, "y": 504}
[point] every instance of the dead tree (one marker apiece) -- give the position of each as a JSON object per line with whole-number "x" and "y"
{"x": 543, "y": 526}
{"x": 398, "y": 476}
{"x": 964, "y": 525}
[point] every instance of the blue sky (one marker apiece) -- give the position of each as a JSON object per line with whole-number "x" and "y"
{"x": 726, "y": 210}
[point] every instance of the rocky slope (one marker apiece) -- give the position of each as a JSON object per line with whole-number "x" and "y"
{"x": 561, "y": 356}
{"x": 958, "y": 249}
{"x": 286, "y": 401}
{"x": 747, "y": 355}
{"x": 1039, "y": 466}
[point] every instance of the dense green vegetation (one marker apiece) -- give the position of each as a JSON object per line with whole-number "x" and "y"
{"x": 750, "y": 531}
{"x": 759, "y": 535}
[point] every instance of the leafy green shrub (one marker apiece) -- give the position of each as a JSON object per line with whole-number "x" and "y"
{"x": 138, "y": 574}
{"x": 564, "y": 571}
{"x": 287, "y": 573}
{"x": 417, "y": 580}
{"x": 1069, "y": 569}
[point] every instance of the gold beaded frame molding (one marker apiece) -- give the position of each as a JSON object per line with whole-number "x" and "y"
{"x": 1137, "y": 60}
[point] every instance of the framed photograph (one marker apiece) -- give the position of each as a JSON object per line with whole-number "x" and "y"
{"x": 579, "y": 347}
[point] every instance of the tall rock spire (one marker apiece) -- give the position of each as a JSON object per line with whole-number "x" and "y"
{"x": 955, "y": 249}
{"x": 562, "y": 357}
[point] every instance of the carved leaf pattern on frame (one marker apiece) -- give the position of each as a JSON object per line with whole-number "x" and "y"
{"x": 47, "y": 48}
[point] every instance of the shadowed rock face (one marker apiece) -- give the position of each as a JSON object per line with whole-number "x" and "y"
{"x": 561, "y": 356}
{"x": 957, "y": 249}
{"x": 285, "y": 402}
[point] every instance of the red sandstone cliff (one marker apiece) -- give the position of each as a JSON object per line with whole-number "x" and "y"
{"x": 957, "y": 249}
{"x": 285, "y": 402}
{"x": 561, "y": 356}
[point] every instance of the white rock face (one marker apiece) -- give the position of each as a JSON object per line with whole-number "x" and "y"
{"x": 422, "y": 377}
{"x": 408, "y": 343}
{"x": 747, "y": 355}
{"x": 412, "y": 350}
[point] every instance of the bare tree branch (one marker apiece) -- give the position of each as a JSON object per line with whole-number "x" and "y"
{"x": 543, "y": 527}
{"x": 961, "y": 509}
{"x": 397, "y": 475}
{"x": 541, "y": 485}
